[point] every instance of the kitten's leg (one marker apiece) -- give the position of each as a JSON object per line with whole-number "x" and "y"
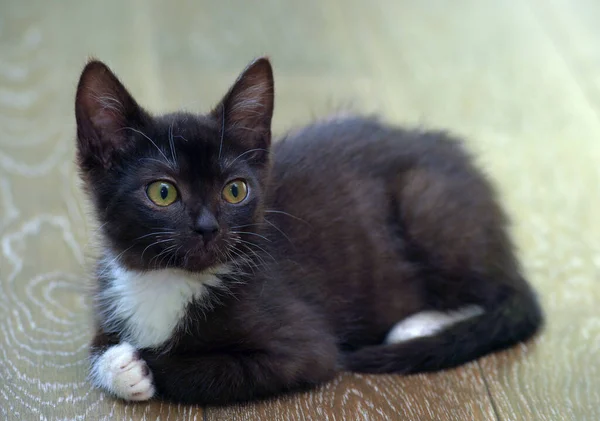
{"x": 453, "y": 230}
{"x": 118, "y": 369}
{"x": 292, "y": 359}
{"x": 456, "y": 233}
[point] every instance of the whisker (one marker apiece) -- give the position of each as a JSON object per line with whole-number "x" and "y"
{"x": 108, "y": 265}
{"x": 244, "y": 259}
{"x": 151, "y": 141}
{"x": 247, "y": 225}
{"x": 153, "y": 244}
{"x": 165, "y": 254}
{"x": 257, "y": 257}
{"x": 98, "y": 229}
{"x": 244, "y": 153}
{"x": 186, "y": 256}
{"x": 172, "y": 143}
{"x": 173, "y": 255}
{"x": 258, "y": 247}
{"x": 251, "y": 233}
{"x": 165, "y": 251}
{"x": 288, "y": 214}
{"x": 154, "y": 160}
{"x": 278, "y": 229}
{"x": 222, "y": 129}
{"x": 237, "y": 265}
{"x": 155, "y": 233}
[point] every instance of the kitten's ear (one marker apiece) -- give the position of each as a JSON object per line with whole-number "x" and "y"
{"x": 247, "y": 109}
{"x": 103, "y": 108}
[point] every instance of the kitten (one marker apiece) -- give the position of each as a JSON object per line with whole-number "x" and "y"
{"x": 235, "y": 269}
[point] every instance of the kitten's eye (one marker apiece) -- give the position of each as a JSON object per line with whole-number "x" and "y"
{"x": 162, "y": 193}
{"x": 235, "y": 191}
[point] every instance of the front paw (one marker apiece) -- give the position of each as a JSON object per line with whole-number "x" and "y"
{"x": 121, "y": 371}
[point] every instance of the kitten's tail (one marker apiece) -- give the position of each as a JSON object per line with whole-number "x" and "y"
{"x": 511, "y": 319}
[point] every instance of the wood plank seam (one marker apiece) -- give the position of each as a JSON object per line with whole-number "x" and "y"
{"x": 489, "y": 392}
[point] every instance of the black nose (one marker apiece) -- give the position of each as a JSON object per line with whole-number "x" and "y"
{"x": 206, "y": 225}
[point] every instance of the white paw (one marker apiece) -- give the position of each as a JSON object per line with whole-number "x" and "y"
{"x": 122, "y": 372}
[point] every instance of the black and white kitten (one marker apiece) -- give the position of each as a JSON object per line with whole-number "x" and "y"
{"x": 235, "y": 269}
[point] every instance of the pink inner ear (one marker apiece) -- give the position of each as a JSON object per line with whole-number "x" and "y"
{"x": 249, "y": 103}
{"x": 107, "y": 114}
{"x": 103, "y": 107}
{"x": 103, "y": 103}
{"x": 100, "y": 93}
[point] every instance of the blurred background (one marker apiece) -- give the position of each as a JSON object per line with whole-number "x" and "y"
{"x": 518, "y": 79}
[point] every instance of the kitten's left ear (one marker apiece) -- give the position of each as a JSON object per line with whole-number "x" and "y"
{"x": 247, "y": 109}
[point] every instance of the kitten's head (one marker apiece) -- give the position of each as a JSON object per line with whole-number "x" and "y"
{"x": 176, "y": 190}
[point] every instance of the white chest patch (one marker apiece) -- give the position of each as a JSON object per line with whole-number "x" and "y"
{"x": 147, "y": 307}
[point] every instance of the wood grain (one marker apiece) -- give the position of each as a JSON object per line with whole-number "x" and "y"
{"x": 457, "y": 395}
{"x": 520, "y": 79}
{"x": 558, "y": 377}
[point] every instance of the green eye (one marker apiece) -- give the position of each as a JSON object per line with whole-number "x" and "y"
{"x": 235, "y": 191}
{"x": 162, "y": 193}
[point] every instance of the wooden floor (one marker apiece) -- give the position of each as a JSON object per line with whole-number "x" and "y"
{"x": 520, "y": 79}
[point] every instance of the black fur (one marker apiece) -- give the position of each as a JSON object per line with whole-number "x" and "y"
{"x": 350, "y": 227}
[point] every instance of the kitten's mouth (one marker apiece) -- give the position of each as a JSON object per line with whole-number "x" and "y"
{"x": 200, "y": 256}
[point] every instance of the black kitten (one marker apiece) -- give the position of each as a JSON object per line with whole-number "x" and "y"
{"x": 235, "y": 269}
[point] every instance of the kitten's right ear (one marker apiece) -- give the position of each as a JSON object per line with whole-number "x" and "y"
{"x": 103, "y": 109}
